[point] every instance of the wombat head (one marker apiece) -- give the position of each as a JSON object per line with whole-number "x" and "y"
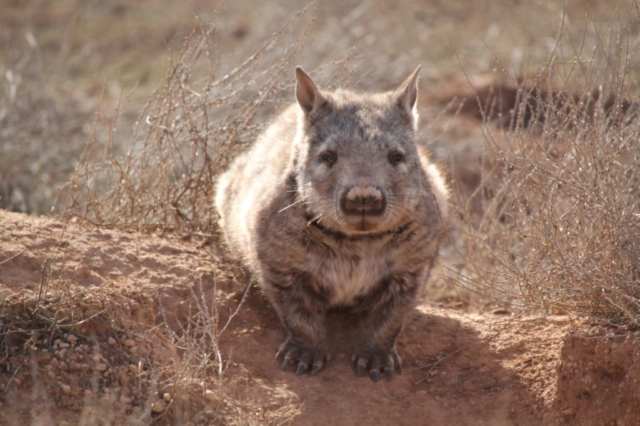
{"x": 357, "y": 164}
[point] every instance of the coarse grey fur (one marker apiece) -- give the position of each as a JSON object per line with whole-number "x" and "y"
{"x": 335, "y": 206}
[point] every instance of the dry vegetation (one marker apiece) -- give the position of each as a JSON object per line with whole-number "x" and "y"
{"x": 559, "y": 209}
{"x": 549, "y": 222}
{"x": 190, "y": 128}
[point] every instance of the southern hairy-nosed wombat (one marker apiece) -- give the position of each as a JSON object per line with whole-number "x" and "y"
{"x": 334, "y": 206}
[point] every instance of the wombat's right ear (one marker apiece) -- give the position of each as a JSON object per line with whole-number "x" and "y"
{"x": 307, "y": 93}
{"x": 408, "y": 94}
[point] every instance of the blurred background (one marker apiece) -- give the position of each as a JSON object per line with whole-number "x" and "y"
{"x": 67, "y": 63}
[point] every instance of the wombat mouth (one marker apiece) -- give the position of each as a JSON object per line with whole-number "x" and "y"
{"x": 364, "y": 225}
{"x": 361, "y": 233}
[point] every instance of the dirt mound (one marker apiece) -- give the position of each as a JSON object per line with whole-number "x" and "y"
{"x": 108, "y": 327}
{"x": 598, "y": 382}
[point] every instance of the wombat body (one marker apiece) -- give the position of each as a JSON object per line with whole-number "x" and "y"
{"x": 334, "y": 206}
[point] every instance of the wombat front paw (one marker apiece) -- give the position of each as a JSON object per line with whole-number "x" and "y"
{"x": 305, "y": 357}
{"x": 377, "y": 360}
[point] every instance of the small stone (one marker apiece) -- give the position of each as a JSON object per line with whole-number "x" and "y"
{"x": 568, "y": 412}
{"x": 64, "y": 345}
{"x": 166, "y": 397}
{"x": 111, "y": 341}
{"x": 129, "y": 343}
{"x": 66, "y": 389}
{"x": 210, "y": 396}
{"x": 131, "y": 257}
{"x": 102, "y": 367}
{"x": 158, "y": 406}
{"x": 46, "y": 357}
{"x": 56, "y": 343}
{"x": 72, "y": 339}
{"x": 133, "y": 368}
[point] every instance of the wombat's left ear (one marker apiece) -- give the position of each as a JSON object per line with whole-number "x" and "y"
{"x": 307, "y": 93}
{"x": 408, "y": 93}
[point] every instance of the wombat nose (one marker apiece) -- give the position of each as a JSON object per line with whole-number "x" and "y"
{"x": 363, "y": 200}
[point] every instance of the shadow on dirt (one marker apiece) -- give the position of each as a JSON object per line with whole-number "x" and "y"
{"x": 451, "y": 375}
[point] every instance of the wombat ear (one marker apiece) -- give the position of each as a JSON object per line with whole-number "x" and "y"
{"x": 408, "y": 93}
{"x": 307, "y": 93}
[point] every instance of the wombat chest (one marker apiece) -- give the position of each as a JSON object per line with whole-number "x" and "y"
{"x": 353, "y": 275}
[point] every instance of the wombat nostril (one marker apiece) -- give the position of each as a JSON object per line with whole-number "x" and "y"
{"x": 363, "y": 200}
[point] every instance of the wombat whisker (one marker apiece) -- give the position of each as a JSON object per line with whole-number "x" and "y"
{"x": 314, "y": 219}
{"x": 300, "y": 200}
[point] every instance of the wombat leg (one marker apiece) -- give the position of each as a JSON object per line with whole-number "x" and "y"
{"x": 384, "y": 311}
{"x": 302, "y": 311}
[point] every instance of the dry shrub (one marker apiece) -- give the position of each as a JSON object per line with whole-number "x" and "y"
{"x": 41, "y": 128}
{"x": 186, "y": 134}
{"x": 560, "y": 223}
{"x": 200, "y": 376}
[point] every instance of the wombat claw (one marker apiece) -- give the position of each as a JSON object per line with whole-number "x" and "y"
{"x": 305, "y": 357}
{"x": 386, "y": 361}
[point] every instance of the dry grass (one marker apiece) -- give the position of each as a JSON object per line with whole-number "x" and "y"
{"x": 560, "y": 219}
{"x": 187, "y": 133}
{"x": 32, "y": 115}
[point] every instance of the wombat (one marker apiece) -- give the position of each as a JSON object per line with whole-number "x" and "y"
{"x": 335, "y": 207}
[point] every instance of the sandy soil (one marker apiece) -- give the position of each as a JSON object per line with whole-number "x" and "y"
{"x": 107, "y": 327}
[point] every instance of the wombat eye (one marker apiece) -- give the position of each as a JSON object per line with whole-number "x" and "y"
{"x": 329, "y": 157}
{"x": 396, "y": 157}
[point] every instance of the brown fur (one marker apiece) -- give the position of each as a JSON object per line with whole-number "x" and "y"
{"x": 334, "y": 206}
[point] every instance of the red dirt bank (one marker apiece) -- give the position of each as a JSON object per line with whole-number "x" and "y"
{"x": 95, "y": 329}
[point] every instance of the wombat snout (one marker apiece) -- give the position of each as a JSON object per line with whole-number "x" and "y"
{"x": 363, "y": 200}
